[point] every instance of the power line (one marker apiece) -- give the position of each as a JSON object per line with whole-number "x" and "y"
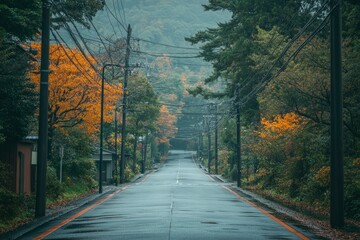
{"x": 122, "y": 26}
{"x": 166, "y": 45}
{"x": 267, "y": 79}
{"x": 165, "y": 55}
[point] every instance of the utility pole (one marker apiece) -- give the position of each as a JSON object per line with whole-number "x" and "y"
{"x": 142, "y": 154}
{"x": 43, "y": 113}
{"x": 238, "y": 139}
{"x": 116, "y": 143}
{"x": 145, "y": 151}
{"x": 123, "y": 127}
{"x": 198, "y": 147}
{"x": 216, "y": 139}
{"x": 337, "y": 151}
{"x": 61, "y": 162}
{"x": 209, "y": 145}
{"x": 101, "y": 126}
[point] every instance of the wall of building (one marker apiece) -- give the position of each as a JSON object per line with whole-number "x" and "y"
{"x": 24, "y": 149}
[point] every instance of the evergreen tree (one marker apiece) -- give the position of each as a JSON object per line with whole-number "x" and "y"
{"x": 18, "y": 99}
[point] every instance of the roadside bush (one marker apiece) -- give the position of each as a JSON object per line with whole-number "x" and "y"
{"x": 54, "y": 189}
{"x": 13, "y": 205}
{"x": 128, "y": 174}
{"x": 352, "y": 189}
{"x": 80, "y": 168}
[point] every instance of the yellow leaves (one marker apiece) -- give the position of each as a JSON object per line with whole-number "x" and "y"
{"x": 322, "y": 177}
{"x": 75, "y": 90}
{"x": 356, "y": 162}
{"x": 281, "y": 125}
{"x": 166, "y": 124}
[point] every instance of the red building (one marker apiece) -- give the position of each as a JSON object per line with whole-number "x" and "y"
{"x": 18, "y": 165}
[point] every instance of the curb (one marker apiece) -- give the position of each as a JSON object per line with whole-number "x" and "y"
{"x": 30, "y": 226}
{"x": 220, "y": 178}
{"x": 53, "y": 214}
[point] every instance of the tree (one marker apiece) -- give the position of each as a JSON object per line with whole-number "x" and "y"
{"x": 74, "y": 91}
{"x": 143, "y": 110}
{"x": 166, "y": 126}
{"x": 20, "y": 18}
{"x": 80, "y": 11}
{"x": 303, "y": 88}
{"x": 229, "y": 46}
{"x": 17, "y": 94}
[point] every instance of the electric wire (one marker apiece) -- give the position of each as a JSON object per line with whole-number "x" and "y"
{"x": 165, "y": 45}
{"x": 292, "y": 56}
{"x": 122, "y": 26}
{"x": 266, "y": 79}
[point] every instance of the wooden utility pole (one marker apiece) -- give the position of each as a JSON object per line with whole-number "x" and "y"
{"x": 116, "y": 146}
{"x": 237, "y": 105}
{"x": 238, "y": 144}
{"x": 337, "y": 149}
{"x": 40, "y": 204}
{"x": 123, "y": 127}
{"x": 216, "y": 140}
{"x": 209, "y": 145}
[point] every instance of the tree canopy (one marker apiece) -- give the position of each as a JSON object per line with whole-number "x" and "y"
{"x": 18, "y": 98}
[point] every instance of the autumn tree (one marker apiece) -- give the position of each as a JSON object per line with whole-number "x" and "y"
{"x": 304, "y": 88}
{"x": 75, "y": 90}
{"x": 166, "y": 127}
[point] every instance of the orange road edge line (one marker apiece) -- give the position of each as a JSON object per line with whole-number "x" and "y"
{"x": 66, "y": 221}
{"x": 291, "y": 229}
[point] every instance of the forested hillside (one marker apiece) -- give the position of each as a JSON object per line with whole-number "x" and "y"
{"x": 159, "y": 29}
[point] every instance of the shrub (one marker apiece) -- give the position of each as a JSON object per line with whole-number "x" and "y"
{"x": 13, "y": 205}
{"x": 54, "y": 188}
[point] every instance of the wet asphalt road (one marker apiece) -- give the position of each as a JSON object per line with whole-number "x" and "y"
{"x": 177, "y": 202}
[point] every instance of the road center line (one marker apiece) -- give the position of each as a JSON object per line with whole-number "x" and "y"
{"x": 178, "y": 173}
{"x": 177, "y": 177}
{"x": 66, "y": 221}
{"x": 289, "y": 228}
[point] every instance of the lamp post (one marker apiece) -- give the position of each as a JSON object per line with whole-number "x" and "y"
{"x": 102, "y": 121}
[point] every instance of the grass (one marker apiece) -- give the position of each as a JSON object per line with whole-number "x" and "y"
{"x": 20, "y": 215}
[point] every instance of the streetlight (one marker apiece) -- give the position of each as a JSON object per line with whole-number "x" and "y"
{"x": 102, "y": 121}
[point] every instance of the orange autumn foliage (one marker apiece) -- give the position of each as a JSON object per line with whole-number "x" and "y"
{"x": 166, "y": 125}
{"x": 280, "y": 126}
{"x": 75, "y": 90}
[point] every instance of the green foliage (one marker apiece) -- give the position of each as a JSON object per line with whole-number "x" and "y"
{"x": 14, "y": 208}
{"x": 128, "y": 174}
{"x": 352, "y": 188}
{"x": 18, "y": 99}
{"x": 81, "y": 168}
{"x": 142, "y": 104}
{"x": 81, "y": 11}
{"x": 13, "y": 205}
{"x": 54, "y": 189}
{"x": 78, "y": 167}
{"x": 20, "y": 18}
{"x": 4, "y": 174}
{"x": 76, "y": 143}
{"x": 23, "y": 18}
{"x": 294, "y": 165}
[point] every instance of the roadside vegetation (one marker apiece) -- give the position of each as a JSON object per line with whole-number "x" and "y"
{"x": 284, "y": 99}
{"x": 74, "y": 108}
